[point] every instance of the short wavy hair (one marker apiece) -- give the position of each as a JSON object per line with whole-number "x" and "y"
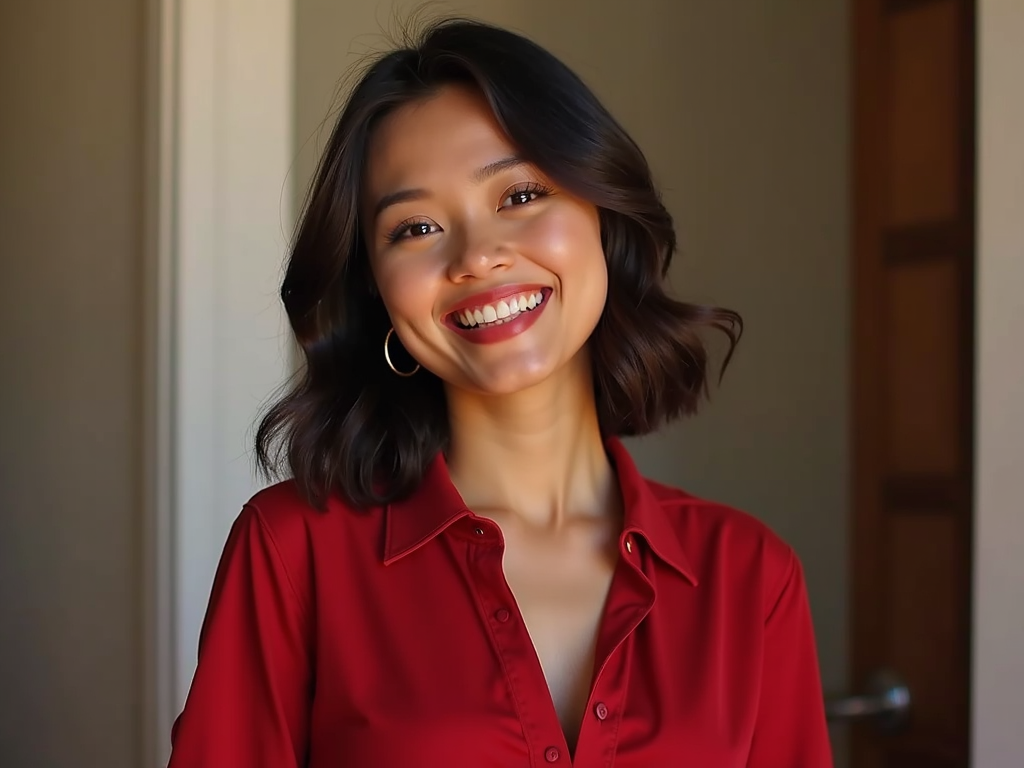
{"x": 348, "y": 425}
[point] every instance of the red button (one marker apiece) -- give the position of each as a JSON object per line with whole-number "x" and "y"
{"x": 551, "y": 754}
{"x": 502, "y": 615}
{"x": 601, "y": 710}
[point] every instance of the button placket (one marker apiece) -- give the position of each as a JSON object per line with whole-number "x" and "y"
{"x": 630, "y": 599}
{"x": 512, "y": 643}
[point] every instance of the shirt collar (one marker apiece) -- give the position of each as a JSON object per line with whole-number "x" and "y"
{"x": 436, "y": 504}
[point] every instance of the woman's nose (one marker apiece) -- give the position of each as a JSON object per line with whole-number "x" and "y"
{"x": 478, "y": 256}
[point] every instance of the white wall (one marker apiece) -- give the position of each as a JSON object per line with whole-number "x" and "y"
{"x": 71, "y": 171}
{"x": 228, "y": 216}
{"x": 742, "y": 110}
{"x": 998, "y": 706}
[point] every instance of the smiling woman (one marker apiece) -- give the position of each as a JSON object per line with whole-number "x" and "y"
{"x": 465, "y": 567}
{"x": 479, "y": 235}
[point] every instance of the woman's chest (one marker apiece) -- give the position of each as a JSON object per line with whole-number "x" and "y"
{"x": 451, "y": 670}
{"x": 559, "y": 593}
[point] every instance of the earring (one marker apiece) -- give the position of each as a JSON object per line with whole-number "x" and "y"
{"x": 387, "y": 358}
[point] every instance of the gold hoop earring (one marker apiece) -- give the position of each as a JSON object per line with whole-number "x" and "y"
{"x": 387, "y": 358}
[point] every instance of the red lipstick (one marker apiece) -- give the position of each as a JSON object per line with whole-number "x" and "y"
{"x": 497, "y": 329}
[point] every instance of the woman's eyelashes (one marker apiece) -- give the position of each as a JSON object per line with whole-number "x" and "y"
{"x": 516, "y": 197}
{"x": 412, "y": 229}
{"x": 522, "y": 194}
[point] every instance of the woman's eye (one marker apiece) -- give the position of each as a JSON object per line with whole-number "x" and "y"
{"x": 520, "y": 198}
{"x": 412, "y": 229}
{"x": 419, "y": 229}
{"x": 525, "y": 195}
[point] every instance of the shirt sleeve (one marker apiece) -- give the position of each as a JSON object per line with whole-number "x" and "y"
{"x": 249, "y": 703}
{"x": 791, "y": 730}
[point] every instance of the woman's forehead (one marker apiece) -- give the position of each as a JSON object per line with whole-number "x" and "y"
{"x": 436, "y": 137}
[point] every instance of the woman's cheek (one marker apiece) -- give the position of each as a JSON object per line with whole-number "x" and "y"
{"x": 560, "y": 238}
{"x": 408, "y": 286}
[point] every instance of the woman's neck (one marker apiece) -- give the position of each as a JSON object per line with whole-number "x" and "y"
{"x": 537, "y": 454}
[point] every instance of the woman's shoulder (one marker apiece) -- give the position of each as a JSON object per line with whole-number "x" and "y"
{"x": 283, "y": 504}
{"x": 716, "y": 535}
{"x": 688, "y": 509}
{"x": 296, "y": 526}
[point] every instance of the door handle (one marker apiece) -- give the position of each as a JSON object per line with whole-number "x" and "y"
{"x": 886, "y": 703}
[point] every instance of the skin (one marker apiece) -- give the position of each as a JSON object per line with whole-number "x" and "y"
{"x": 526, "y": 449}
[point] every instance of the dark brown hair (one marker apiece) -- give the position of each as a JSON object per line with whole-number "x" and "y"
{"x": 352, "y": 427}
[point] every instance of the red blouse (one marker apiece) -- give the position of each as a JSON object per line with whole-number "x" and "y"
{"x": 389, "y": 638}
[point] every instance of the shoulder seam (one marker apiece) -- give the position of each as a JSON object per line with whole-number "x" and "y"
{"x": 787, "y": 578}
{"x": 258, "y": 514}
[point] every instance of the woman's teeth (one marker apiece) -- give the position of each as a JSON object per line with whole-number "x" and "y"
{"x": 500, "y": 311}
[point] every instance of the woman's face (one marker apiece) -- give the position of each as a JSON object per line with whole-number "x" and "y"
{"x": 494, "y": 278}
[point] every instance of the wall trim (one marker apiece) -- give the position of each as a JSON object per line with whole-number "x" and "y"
{"x": 218, "y": 216}
{"x": 997, "y": 705}
{"x": 160, "y": 40}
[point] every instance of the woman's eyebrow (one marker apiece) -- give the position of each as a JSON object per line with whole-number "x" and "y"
{"x": 493, "y": 169}
{"x": 479, "y": 176}
{"x": 394, "y": 198}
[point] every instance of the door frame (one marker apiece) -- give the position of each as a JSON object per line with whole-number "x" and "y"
{"x": 997, "y": 707}
{"x": 219, "y": 112}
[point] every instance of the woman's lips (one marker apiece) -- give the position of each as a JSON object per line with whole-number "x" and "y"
{"x": 494, "y": 295}
{"x": 497, "y": 319}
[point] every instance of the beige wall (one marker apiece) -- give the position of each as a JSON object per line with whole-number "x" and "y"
{"x": 70, "y": 312}
{"x": 999, "y": 522}
{"x": 742, "y": 109}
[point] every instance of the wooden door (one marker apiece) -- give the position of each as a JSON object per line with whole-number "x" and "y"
{"x": 913, "y": 282}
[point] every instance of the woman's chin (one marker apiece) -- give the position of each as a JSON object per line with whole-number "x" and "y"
{"x": 508, "y": 377}
{"x": 520, "y": 374}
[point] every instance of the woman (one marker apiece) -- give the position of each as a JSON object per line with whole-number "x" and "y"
{"x": 467, "y": 569}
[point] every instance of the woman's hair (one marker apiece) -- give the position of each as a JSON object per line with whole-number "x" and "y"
{"x": 349, "y": 425}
